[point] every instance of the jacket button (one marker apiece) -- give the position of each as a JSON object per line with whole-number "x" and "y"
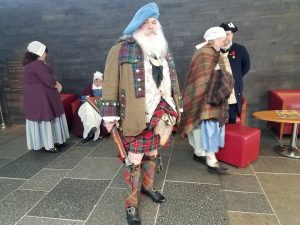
{"x": 137, "y": 70}
{"x": 139, "y": 89}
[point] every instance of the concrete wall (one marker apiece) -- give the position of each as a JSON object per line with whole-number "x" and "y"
{"x": 79, "y": 34}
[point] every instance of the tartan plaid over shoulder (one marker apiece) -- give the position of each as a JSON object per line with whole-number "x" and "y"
{"x": 198, "y": 78}
{"x": 131, "y": 52}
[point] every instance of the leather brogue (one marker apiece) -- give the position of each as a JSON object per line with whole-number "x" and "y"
{"x": 154, "y": 195}
{"x": 218, "y": 170}
{"x": 132, "y": 216}
{"x": 200, "y": 159}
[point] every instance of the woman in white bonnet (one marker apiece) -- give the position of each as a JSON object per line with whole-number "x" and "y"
{"x": 202, "y": 120}
{"x": 46, "y": 124}
{"x": 90, "y": 118}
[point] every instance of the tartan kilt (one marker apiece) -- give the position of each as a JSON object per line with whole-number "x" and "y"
{"x": 147, "y": 141}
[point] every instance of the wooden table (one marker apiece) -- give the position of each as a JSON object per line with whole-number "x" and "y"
{"x": 274, "y": 116}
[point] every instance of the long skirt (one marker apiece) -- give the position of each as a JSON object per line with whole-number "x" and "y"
{"x": 90, "y": 118}
{"x": 41, "y": 134}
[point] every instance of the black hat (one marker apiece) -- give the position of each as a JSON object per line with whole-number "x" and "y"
{"x": 229, "y": 26}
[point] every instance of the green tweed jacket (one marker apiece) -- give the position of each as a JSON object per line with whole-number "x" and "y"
{"x": 124, "y": 86}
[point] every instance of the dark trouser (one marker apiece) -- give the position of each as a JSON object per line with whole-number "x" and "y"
{"x": 132, "y": 175}
{"x": 233, "y": 112}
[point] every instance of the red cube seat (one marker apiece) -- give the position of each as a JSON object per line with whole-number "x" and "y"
{"x": 241, "y": 145}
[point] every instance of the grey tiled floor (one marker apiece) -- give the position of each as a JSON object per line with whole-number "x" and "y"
{"x": 83, "y": 185}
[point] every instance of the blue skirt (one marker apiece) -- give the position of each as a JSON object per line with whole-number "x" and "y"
{"x": 41, "y": 134}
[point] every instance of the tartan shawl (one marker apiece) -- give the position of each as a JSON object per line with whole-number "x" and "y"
{"x": 197, "y": 82}
{"x": 132, "y": 53}
{"x": 220, "y": 88}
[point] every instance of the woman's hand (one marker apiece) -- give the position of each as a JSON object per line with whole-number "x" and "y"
{"x": 58, "y": 86}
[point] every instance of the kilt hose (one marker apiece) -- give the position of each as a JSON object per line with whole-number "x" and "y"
{"x": 132, "y": 175}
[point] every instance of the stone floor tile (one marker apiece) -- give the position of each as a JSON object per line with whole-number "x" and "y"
{"x": 5, "y": 161}
{"x": 16, "y": 205}
{"x": 183, "y": 168}
{"x": 29, "y": 164}
{"x": 247, "y": 202}
{"x": 189, "y": 203}
{"x": 7, "y": 186}
{"x": 96, "y": 168}
{"x": 283, "y": 193}
{"x": 107, "y": 148}
{"x": 70, "y": 199}
{"x": 110, "y": 210}
{"x": 14, "y": 149}
{"x": 247, "y": 183}
{"x": 45, "y": 180}
{"x": 70, "y": 159}
{"x": 277, "y": 165}
{"x": 238, "y": 218}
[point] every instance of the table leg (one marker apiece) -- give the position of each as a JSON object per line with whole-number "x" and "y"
{"x": 292, "y": 150}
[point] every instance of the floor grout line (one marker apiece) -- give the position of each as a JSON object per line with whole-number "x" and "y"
{"x": 246, "y": 192}
{"x": 162, "y": 189}
{"x": 266, "y": 197}
{"x": 51, "y": 218}
{"x": 190, "y": 182}
{"x": 256, "y": 213}
{"x": 102, "y": 194}
{"x": 270, "y": 173}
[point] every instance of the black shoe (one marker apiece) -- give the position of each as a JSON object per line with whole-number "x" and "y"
{"x": 57, "y": 145}
{"x": 218, "y": 170}
{"x": 53, "y": 150}
{"x": 90, "y": 135}
{"x": 200, "y": 159}
{"x": 153, "y": 194}
{"x": 132, "y": 216}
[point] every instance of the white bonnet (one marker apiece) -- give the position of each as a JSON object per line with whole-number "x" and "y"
{"x": 37, "y": 48}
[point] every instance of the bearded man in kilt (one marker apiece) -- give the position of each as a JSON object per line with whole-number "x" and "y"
{"x": 141, "y": 94}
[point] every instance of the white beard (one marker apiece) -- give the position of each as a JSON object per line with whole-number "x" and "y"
{"x": 152, "y": 43}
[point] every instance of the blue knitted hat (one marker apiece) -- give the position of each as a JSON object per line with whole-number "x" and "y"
{"x": 147, "y": 11}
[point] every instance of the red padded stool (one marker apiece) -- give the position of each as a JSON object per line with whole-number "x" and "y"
{"x": 241, "y": 145}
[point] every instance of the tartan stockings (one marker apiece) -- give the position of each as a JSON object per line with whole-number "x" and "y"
{"x": 132, "y": 175}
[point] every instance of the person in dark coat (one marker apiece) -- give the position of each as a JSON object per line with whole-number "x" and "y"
{"x": 46, "y": 124}
{"x": 240, "y": 65}
{"x": 87, "y": 123}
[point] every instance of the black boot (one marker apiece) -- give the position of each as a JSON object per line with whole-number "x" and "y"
{"x": 132, "y": 216}
{"x": 90, "y": 135}
{"x": 154, "y": 195}
{"x": 218, "y": 169}
{"x": 200, "y": 159}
